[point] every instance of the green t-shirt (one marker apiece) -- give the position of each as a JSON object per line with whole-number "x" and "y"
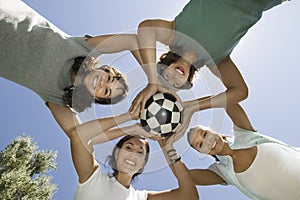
{"x": 35, "y": 53}
{"x": 217, "y": 25}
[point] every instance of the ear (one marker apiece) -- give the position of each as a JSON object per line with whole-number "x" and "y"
{"x": 117, "y": 153}
{"x": 144, "y": 164}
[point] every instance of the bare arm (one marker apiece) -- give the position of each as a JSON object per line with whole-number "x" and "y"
{"x": 205, "y": 177}
{"x": 69, "y": 123}
{"x": 149, "y": 32}
{"x": 81, "y": 134}
{"x": 236, "y": 88}
{"x": 239, "y": 117}
{"x": 83, "y": 158}
{"x": 186, "y": 187}
{"x": 116, "y": 43}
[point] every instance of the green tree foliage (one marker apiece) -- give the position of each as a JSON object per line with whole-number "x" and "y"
{"x": 23, "y": 171}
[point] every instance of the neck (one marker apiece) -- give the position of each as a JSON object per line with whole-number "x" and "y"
{"x": 227, "y": 151}
{"x": 124, "y": 179}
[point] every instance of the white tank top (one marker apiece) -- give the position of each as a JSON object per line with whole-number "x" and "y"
{"x": 274, "y": 173}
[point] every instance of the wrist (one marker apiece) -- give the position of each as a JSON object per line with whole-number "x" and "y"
{"x": 122, "y": 118}
{"x": 173, "y": 155}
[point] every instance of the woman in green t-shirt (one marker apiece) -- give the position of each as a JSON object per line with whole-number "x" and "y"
{"x": 204, "y": 33}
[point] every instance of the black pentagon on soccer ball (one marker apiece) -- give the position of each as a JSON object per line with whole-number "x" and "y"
{"x": 148, "y": 114}
{"x": 163, "y": 116}
{"x": 148, "y": 102}
{"x": 169, "y": 96}
{"x": 145, "y": 125}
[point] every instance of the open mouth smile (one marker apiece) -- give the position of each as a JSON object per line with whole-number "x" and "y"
{"x": 213, "y": 145}
{"x": 95, "y": 82}
{"x": 130, "y": 162}
{"x": 180, "y": 70}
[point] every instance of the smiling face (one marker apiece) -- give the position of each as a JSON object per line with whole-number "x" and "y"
{"x": 206, "y": 141}
{"x": 103, "y": 83}
{"x": 177, "y": 73}
{"x": 131, "y": 157}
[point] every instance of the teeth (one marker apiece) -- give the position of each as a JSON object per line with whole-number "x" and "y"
{"x": 95, "y": 82}
{"x": 129, "y": 162}
{"x": 179, "y": 71}
{"x": 214, "y": 145}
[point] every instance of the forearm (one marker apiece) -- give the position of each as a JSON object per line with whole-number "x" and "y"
{"x": 107, "y": 136}
{"x": 239, "y": 117}
{"x": 114, "y": 43}
{"x": 236, "y": 88}
{"x": 186, "y": 187}
{"x": 91, "y": 129}
{"x": 147, "y": 46}
{"x": 222, "y": 100}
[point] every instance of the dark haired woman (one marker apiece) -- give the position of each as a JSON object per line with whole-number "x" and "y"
{"x": 128, "y": 160}
{"x": 259, "y": 166}
{"x": 204, "y": 33}
{"x": 61, "y": 69}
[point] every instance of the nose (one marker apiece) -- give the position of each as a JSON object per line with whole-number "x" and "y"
{"x": 103, "y": 80}
{"x": 207, "y": 143}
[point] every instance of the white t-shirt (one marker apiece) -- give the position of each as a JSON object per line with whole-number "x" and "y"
{"x": 100, "y": 186}
{"x": 277, "y": 173}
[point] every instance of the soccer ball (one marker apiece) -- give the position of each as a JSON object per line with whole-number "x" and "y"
{"x": 161, "y": 115}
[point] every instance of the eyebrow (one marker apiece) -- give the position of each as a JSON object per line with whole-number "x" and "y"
{"x": 133, "y": 145}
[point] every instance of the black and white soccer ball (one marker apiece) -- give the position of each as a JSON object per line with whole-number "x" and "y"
{"x": 162, "y": 114}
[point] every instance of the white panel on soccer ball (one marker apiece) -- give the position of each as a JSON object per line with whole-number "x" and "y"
{"x": 154, "y": 108}
{"x": 158, "y": 96}
{"x": 154, "y": 133}
{"x": 175, "y": 117}
{"x": 143, "y": 114}
{"x": 166, "y": 128}
{"x": 167, "y": 104}
{"x": 153, "y": 123}
{"x": 179, "y": 106}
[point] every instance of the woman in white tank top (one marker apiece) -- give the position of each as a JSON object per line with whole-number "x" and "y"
{"x": 128, "y": 159}
{"x": 259, "y": 166}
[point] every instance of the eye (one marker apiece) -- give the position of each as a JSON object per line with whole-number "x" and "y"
{"x": 128, "y": 147}
{"x": 113, "y": 79}
{"x": 200, "y": 145}
{"x": 106, "y": 70}
{"x": 141, "y": 152}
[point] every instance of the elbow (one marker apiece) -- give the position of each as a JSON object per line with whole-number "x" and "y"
{"x": 145, "y": 24}
{"x": 243, "y": 92}
{"x": 73, "y": 134}
{"x": 237, "y": 93}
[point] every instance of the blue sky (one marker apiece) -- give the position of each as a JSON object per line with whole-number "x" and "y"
{"x": 267, "y": 57}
